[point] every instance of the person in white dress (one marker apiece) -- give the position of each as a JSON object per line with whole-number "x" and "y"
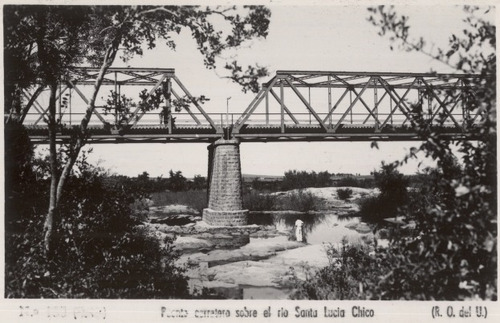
{"x": 298, "y": 230}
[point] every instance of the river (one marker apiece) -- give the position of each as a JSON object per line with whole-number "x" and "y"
{"x": 258, "y": 269}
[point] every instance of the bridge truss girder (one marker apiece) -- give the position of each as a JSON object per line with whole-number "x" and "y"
{"x": 444, "y": 100}
{"x": 338, "y": 106}
{"x": 119, "y": 80}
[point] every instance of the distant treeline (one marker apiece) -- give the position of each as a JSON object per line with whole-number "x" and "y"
{"x": 294, "y": 179}
{"x": 176, "y": 182}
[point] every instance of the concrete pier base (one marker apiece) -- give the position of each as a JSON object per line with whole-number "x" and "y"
{"x": 225, "y": 204}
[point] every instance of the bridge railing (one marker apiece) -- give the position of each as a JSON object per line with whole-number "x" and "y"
{"x": 155, "y": 119}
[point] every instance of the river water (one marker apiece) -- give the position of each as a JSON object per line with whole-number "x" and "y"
{"x": 319, "y": 228}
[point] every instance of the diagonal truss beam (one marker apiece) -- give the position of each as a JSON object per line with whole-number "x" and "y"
{"x": 253, "y": 105}
{"x": 377, "y": 104}
{"x": 396, "y": 98}
{"x": 349, "y": 109}
{"x": 308, "y": 106}
{"x": 148, "y": 77}
{"x": 443, "y": 106}
{"x": 32, "y": 100}
{"x": 135, "y": 115}
{"x": 370, "y": 112}
{"x": 178, "y": 97}
{"x": 290, "y": 114}
{"x": 336, "y": 105}
{"x": 207, "y": 117}
{"x": 38, "y": 108}
{"x": 84, "y": 98}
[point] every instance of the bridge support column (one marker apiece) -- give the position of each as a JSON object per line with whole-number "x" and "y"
{"x": 225, "y": 205}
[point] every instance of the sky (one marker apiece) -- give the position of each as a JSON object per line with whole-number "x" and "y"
{"x": 329, "y": 38}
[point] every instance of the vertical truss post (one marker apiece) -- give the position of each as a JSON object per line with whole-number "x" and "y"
{"x": 375, "y": 102}
{"x": 350, "y": 99}
{"x": 397, "y": 99}
{"x": 251, "y": 108}
{"x": 267, "y": 109}
{"x": 465, "y": 114}
{"x": 390, "y": 107}
{"x": 69, "y": 104}
{"x": 442, "y": 104}
{"x": 429, "y": 107}
{"x": 169, "y": 125}
{"x": 329, "y": 116}
{"x": 366, "y": 105}
{"x": 168, "y": 102}
{"x": 419, "y": 97}
{"x": 308, "y": 106}
{"x": 330, "y": 113}
{"x": 59, "y": 100}
{"x": 282, "y": 95}
{"x": 444, "y": 101}
{"x": 352, "y": 103}
{"x": 135, "y": 115}
{"x": 290, "y": 114}
{"x": 116, "y": 99}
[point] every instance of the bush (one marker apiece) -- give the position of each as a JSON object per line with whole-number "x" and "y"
{"x": 98, "y": 249}
{"x": 259, "y": 201}
{"x": 300, "y": 201}
{"x": 344, "y": 193}
{"x": 393, "y": 194}
{"x": 24, "y": 191}
{"x": 351, "y": 274}
{"x": 376, "y": 208}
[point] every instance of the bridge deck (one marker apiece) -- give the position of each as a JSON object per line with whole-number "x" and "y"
{"x": 254, "y": 133}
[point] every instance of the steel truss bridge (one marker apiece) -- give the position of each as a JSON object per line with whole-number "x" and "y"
{"x": 291, "y": 106}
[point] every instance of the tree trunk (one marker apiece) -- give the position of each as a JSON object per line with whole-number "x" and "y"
{"x": 81, "y": 141}
{"x": 52, "y": 212}
{"x": 57, "y": 182}
{"x": 67, "y": 168}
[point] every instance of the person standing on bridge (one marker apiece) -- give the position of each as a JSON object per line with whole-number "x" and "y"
{"x": 166, "y": 110}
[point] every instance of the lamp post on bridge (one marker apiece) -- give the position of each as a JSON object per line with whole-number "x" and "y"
{"x": 227, "y": 111}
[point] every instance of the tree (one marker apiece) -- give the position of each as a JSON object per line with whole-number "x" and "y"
{"x": 44, "y": 42}
{"x": 177, "y": 182}
{"x": 199, "y": 182}
{"x": 452, "y": 250}
{"x": 100, "y": 251}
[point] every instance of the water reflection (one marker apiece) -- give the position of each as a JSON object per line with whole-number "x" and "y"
{"x": 285, "y": 222}
{"x": 317, "y": 228}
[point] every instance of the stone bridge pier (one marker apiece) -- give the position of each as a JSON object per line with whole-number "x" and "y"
{"x": 225, "y": 189}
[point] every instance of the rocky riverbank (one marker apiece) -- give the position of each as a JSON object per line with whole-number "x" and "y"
{"x": 230, "y": 259}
